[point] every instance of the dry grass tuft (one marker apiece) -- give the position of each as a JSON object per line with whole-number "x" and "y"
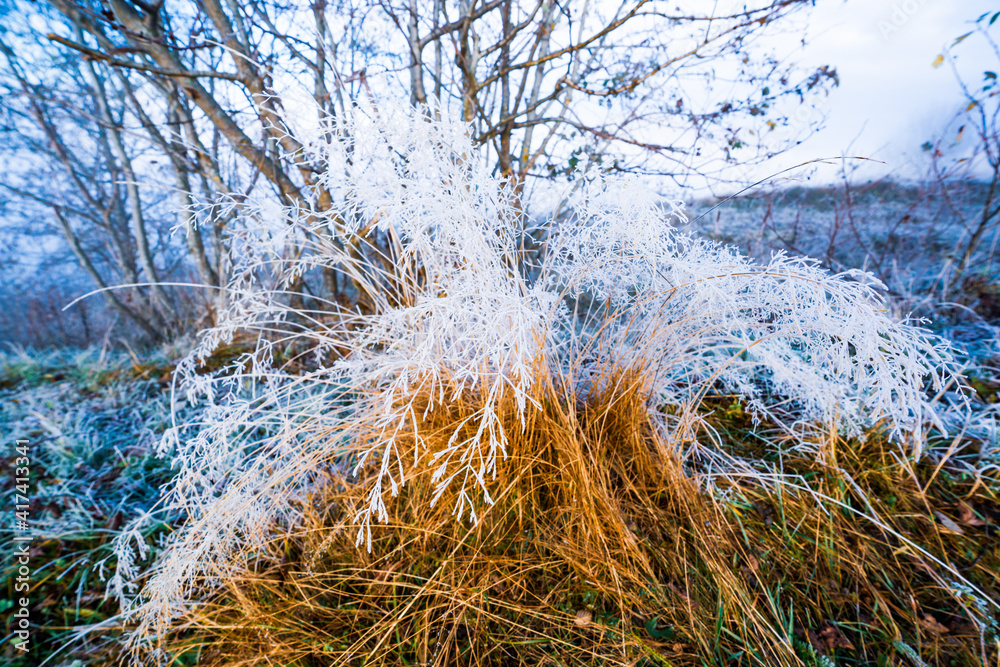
{"x": 560, "y": 390}
{"x": 604, "y": 547}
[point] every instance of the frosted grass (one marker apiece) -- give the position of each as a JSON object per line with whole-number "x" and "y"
{"x": 455, "y": 304}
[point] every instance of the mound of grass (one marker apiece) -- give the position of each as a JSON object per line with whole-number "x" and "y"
{"x": 602, "y": 547}
{"x": 514, "y": 425}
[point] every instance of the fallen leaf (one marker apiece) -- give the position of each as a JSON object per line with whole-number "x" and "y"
{"x": 938, "y": 61}
{"x": 967, "y": 516}
{"x": 765, "y": 512}
{"x": 687, "y": 598}
{"x": 948, "y": 524}
{"x": 815, "y": 642}
{"x": 583, "y": 618}
{"x": 931, "y": 624}
{"x": 833, "y": 638}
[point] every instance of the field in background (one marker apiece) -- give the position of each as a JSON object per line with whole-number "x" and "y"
{"x": 912, "y": 237}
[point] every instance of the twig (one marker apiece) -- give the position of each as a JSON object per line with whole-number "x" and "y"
{"x": 117, "y": 62}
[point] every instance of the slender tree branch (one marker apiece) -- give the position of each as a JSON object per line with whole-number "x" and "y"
{"x": 131, "y": 64}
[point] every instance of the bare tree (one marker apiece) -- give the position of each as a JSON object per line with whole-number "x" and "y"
{"x": 552, "y": 88}
{"x": 556, "y": 88}
{"x": 101, "y": 215}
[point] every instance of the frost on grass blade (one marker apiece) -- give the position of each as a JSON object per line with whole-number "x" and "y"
{"x": 448, "y": 307}
{"x": 700, "y": 315}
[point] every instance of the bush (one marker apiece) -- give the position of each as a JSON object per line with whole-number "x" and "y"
{"x": 468, "y": 328}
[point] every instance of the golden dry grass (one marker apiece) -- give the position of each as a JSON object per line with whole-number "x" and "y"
{"x": 604, "y": 548}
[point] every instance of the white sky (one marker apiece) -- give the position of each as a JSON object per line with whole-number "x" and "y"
{"x": 891, "y": 99}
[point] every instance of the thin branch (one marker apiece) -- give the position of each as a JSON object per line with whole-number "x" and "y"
{"x": 118, "y": 62}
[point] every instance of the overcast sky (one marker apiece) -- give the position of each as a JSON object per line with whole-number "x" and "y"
{"x": 891, "y": 99}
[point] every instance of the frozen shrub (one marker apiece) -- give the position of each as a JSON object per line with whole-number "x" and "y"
{"x": 449, "y": 304}
{"x": 786, "y": 332}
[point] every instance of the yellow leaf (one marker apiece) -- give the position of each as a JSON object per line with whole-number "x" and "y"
{"x": 972, "y": 105}
{"x": 83, "y": 612}
{"x": 938, "y": 61}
